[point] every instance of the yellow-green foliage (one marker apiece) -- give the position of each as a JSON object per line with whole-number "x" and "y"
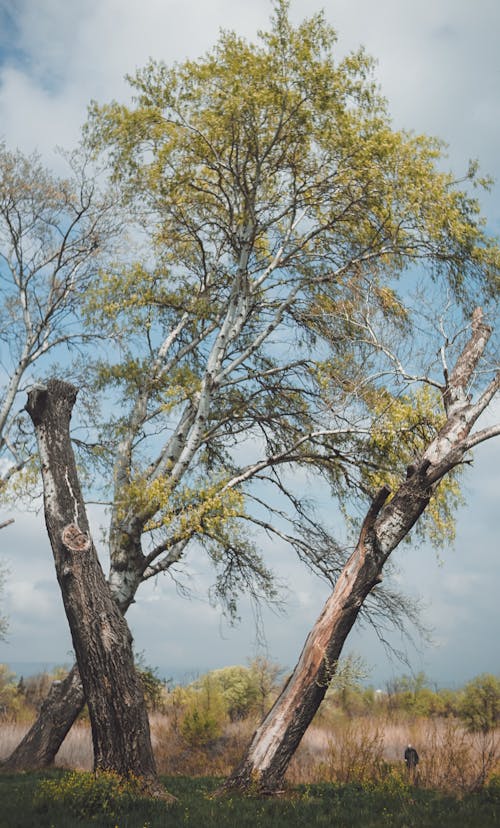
{"x": 259, "y": 168}
{"x": 255, "y": 133}
{"x": 10, "y": 701}
{"x": 480, "y": 703}
{"x": 204, "y": 712}
{"x": 23, "y": 485}
{"x": 203, "y": 507}
{"x": 402, "y": 427}
{"x": 200, "y": 711}
{"x": 88, "y": 795}
{"x": 239, "y": 688}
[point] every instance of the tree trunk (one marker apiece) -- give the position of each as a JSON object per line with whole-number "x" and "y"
{"x": 58, "y": 712}
{"x": 386, "y": 524}
{"x": 101, "y": 638}
{"x": 65, "y": 700}
{"x": 278, "y": 737}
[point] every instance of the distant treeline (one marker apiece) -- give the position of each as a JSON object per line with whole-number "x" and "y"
{"x": 236, "y": 693}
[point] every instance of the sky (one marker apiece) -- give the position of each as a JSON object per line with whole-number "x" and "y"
{"x": 438, "y": 64}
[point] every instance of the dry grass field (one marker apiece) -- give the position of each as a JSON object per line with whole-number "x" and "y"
{"x": 358, "y": 749}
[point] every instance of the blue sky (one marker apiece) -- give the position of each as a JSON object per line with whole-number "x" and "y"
{"x": 439, "y": 67}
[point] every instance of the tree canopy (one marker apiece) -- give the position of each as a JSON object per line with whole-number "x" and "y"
{"x": 277, "y": 208}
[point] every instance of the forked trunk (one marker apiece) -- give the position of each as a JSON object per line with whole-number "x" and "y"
{"x": 101, "y": 637}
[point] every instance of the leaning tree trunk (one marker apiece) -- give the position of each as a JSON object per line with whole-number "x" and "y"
{"x": 59, "y": 711}
{"x": 57, "y": 714}
{"x": 386, "y": 524}
{"x": 276, "y": 740}
{"x": 101, "y": 637}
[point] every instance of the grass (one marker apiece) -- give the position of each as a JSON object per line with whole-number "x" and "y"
{"x": 347, "y": 773}
{"x": 343, "y": 806}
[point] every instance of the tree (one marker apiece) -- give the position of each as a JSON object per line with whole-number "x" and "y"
{"x": 101, "y": 638}
{"x": 277, "y": 205}
{"x": 479, "y": 708}
{"x": 245, "y": 690}
{"x": 266, "y": 675}
{"x": 386, "y": 523}
{"x": 54, "y": 234}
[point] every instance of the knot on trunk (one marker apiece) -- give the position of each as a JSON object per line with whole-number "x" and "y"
{"x": 74, "y": 539}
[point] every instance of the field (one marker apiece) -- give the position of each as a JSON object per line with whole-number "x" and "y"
{"x": 348, "y": 771}
{"x": 345, "y": 750}
{"x": 313, "y": 805}
{"x": 344, "y": 775}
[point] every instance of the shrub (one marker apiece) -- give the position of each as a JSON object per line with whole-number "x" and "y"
{"x": 204, "y": 713}
{"x": 9, "y": 695}
{"x": 353, "y": 754}
{"x": 480, "y": 704}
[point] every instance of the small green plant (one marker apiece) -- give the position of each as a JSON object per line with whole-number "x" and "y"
{"x": 86, "y": 795}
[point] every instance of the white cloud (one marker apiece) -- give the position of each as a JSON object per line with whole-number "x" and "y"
{"x": 437, "y": 61}
{"x": 33, "y": 598}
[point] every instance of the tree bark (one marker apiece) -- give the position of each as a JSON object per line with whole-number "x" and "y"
{"x": 64, "y": 702}
{"x": 277, "y": 738}
{"x": 101, "y": 637}
{"x": 59, "y": 710}
{"x": 387, "y": 522}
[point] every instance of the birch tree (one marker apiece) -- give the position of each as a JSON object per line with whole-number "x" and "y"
{"x": 53, "y": 233}
{"x": 276, "y": 202}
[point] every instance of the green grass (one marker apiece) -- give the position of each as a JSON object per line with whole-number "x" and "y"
{"x": 345, "y": 806}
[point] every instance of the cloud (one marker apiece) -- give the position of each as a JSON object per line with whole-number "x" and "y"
{"x": 32, "y": 599}
{"x": 67, "y": 54}
{"x": 437, "y": 61}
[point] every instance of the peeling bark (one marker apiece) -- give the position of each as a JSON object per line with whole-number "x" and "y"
{"x": 387, "y": 522}
{"x": 101, "y": 637}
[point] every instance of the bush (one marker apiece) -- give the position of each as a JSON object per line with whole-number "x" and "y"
{"x": 353, "y": 754}
{"x": 9, "y": 695}
{"x": 204, "y": 713}
{"x": 480, "y": 704}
